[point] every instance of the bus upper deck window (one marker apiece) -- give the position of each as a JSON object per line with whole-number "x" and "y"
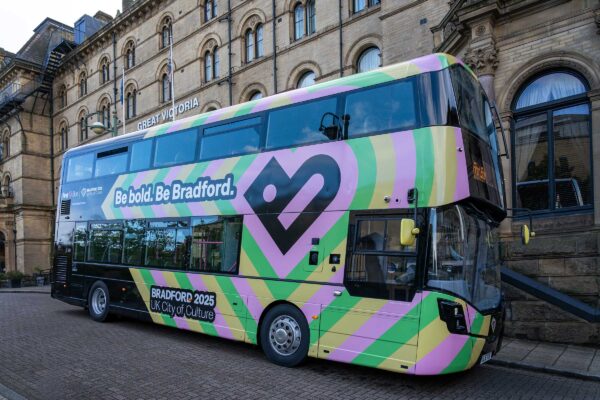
{"x": 141, "y": 154}
{"x": 175, "y": 148}
{"x": 80, "y": 167}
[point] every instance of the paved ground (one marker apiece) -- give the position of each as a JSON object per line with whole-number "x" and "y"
{"x": 50, "y": 350}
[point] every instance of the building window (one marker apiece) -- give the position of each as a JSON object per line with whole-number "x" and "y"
{"x": 64, "y": 138}
{"x": 256, "y": 95}
{"x": 311, "y": 17}
{"x": 360, "y": 5}
{"x": 254, "y": 43}
{"x": 307, "y": 79}
{"x": 305, "y": 19}
{"x": 165, "y": 35}
{"x": 369, "y": 59}
{"x": 104, "y": 116}
{"x": 211, "y": 64}
{"x": 130, "y": 55}
{"x": 104, "y": 71}
{"x": 82, "y": 85}
{"x": 210, "y": 10}
{"x": 5, "y": 146}
{"x": 130, "y": 104}
{"x": 552, "y": 144}
{"x": 62, "y": 96}
{"x": 83, "y": 128}
{"x": 298, "y": 21}
{"x": 165, "y": 88}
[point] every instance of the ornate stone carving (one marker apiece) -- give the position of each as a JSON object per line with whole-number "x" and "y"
{"x": 483, "y": 60}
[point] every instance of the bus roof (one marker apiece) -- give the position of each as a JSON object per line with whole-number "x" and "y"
{"x": 429, "y": 63}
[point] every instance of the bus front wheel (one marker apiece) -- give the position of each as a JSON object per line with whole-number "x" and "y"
{"x": 98, "y": 301}
{"x": 284, "y": 335}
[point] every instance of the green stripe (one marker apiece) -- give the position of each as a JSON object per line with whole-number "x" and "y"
{"x": 245, "y": 108}
{"x": 225, "y": 206}
{"x": 227, "y": 287}
{"x": 391, "y": 340}
{"x": 425, "y": 164}
{"x": 340, "y": 304}
{"x": 149, "y": 281}
{"x": 255, "y": 254}
{"x": 462, "y": 359}
{"x": 367, "y": 173}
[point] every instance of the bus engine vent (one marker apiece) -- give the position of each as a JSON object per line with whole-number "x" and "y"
{"x": 65, "y": 207}
{"x": 60, "y": 269}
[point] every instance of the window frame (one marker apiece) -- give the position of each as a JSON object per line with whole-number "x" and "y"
{"x": 548, "y": 109}
{"x": 239, "y": 249}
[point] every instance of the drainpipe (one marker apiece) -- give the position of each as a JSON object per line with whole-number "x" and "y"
{"x": 114, "y": 35}
{"x": 52, "y": 191}
{"x": 229, "y": 52}
{"x": 274, "y": 48}
{"x": 341, "y": 43}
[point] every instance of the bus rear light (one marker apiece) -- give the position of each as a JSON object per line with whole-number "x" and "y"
{"x": 452, "y": 313}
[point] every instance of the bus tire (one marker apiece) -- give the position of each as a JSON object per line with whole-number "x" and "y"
{"x": 98, "y": 302}
{"x": 284, "y": 335}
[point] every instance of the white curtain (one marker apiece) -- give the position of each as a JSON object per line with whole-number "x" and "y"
{"x": 550, "y": 87}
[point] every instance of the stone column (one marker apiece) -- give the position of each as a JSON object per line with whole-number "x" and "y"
{"x": 595, "y": 121}
{"x": 483, "y": 60}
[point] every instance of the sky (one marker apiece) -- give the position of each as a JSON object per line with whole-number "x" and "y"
{"x": 20, "y": 17}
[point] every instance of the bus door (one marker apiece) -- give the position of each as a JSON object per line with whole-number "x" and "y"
{"x": 63, "y": 258}
{"x": 375, "y": 320}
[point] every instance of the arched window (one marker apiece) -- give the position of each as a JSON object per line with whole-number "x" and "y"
{"x": 62, "y": 96}
{"x": 259, "y": 41}
{"x": 82, "y": 84}
{"x": 165, "y": 87}
{"x": 256, "y": 95}
{"x": 369, "y": 59}
{"x": 552, "y": 143}
{"x": 7, "y": 190}
{"x": 210, "y": 10}
{"x": 360, "y": 5}
{"x": 165, "y": 33}
{"x": 307, "y": 79}
{"x": 130, "y": 55}
{"x": 298, "y": 21}
{"x": 130, "y": 102}
{"x": 211, "y": 64}
{"x": 250, "y": 53}
{"x": 104, "y": 71}
{"x": 104, "y": 116}
{"x": 311, "y": 17}
{"x": 5, "y": 146}
{"x": 64, "y": 137}
{"x": 208, "y": 66}
{"x": 83, "y": 128}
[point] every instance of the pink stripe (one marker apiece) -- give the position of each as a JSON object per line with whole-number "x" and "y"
{"x": 427, "y": 63}
{"x": 196, "y": 208}
{"x": 441, "y": 357}
{"x": 309, "y": 94}
{"x": 159, "y": 278}
{"x": 182, "y": 323}
{"x": 244, "y": 290}
{"x": 173, "y": 172}
{"x": 406, "y": 167}
{"x": 139, "y": 179}
{"x": 471, "y": 314}
{"x": 219, "y": 323}
{"x": 127, "y": 212}
{"x": 374, "y": 328}
{"x": 323, "y": 297}
{"x": 462, "y": 177}
{"x": 213, "y": 167}
{"x": 311, "y": 188}
{"x": 159, "y": 210}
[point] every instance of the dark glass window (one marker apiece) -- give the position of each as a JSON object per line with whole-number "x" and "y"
{"x": 369, "y": 59}
{"x": 167, "y": 247}
{"x": 175, "y": 148}
{"x": 80, "y": 167}
{"x": 379, "y": 266}
{"x": 216, "y": 244}
{"x": 135, "y": 231}
{"x": 311, "y": 17}
{"x": 141, "y": 153}
{"x": 227, "y": 140}
{"x": 79, "y": 241}
{"x": 552, "y": 144}
{"x": 298, "y": 21}
{"x": 111, "y": 165}
{"x": 106, "y": 244}
{"x": 298, "y": 124}
{"x": 386, "y": 108}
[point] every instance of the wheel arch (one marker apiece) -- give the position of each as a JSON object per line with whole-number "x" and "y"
{"x": 269, "y": 308}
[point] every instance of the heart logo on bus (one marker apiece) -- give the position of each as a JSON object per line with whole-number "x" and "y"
{"x": 288, "y": 205}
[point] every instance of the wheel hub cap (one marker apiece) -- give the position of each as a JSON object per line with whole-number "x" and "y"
{"x": 285, "y": 335}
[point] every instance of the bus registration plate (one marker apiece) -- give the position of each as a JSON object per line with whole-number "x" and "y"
{"x": 485, "y": 358}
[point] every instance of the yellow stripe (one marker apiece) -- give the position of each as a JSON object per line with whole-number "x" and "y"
{"x": 222, "y": 303}
{"x": 304, "y": 292}
{"x": 383, "y": 147}
{"x": 476, "y": 352}
{"x": 431, "y": 337}
{"x": 186, "y": 170}
{"x": 170, "y": 279}
{"x": 324, "y": 272}
{"x": 406, "y": 353}
{"x": 225, "y": 168}
{"x": 246, "y": 266}
{"x": 260, "y": 291}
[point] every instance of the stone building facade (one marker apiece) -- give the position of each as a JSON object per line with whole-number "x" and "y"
{"x": 229, "y": 51}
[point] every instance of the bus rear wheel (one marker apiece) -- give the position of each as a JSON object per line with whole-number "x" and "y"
{"x": 98, "y": 302}
{"x": 284, "y": 335}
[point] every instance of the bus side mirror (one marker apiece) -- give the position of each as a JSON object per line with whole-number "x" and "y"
{"x": 408, "y": 232}
{"x": 526, "y": 234}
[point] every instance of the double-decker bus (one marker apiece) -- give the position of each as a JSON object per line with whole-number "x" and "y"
{"x": 355, "y": 220}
